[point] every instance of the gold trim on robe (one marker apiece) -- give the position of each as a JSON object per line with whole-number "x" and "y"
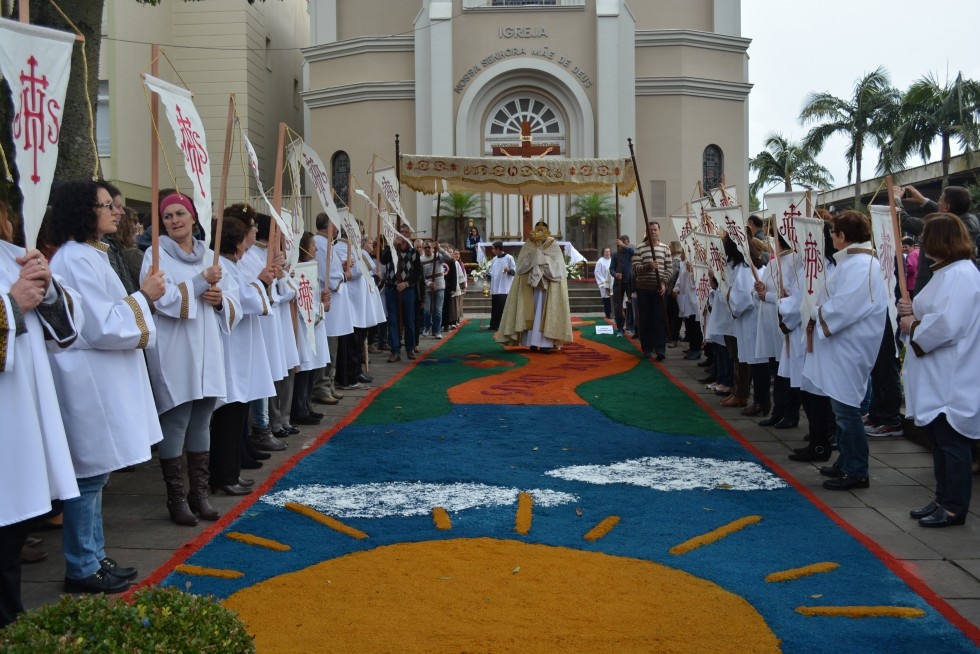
{"x": 140, "y": 322}
{"x": 262, "y": 290}
{"x": 4, "y": 333}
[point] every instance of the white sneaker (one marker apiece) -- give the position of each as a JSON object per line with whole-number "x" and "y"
{"x": 438, "y": 336}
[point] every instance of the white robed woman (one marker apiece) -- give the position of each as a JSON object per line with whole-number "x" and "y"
{"x": 187, "y": 362}
{"x": 311, "y": 358}
{"x": 36, "y": 466}
{"x": 103, "y": 387}
{"x": 604, "y": 280}
{"x": 536, "y": 313}
{"x": 255, "y": 265}
{"x": 247, "y": 373}
{"x": 846, "y": 335}
{"x": 942, "y": 330}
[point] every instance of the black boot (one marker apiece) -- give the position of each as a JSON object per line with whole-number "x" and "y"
{"x": 173, "y": 476}
{"x": 200, "y": 491}
{"x": 811, "y": 453}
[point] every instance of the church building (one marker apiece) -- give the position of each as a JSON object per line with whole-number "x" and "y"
{"x": 462, "y": 77}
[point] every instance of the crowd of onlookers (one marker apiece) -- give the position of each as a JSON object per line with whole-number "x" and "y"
{"x": 111, "y": 348}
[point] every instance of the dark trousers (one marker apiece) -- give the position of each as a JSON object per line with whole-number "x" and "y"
{"x": 497, "y": 303}
{"x": 820, "y": 417}
{"x": 886, "y": 383}
{"x": 952, "y": 458}
{"x": 348, "y": 359}
{"x": 607, "y": 306}
{"x": 741, "y": 376}
{"x": 624, "y": 317}
{"x": 302, "y": 393}
{"x": 12, "y": 539}
{"x": 785, "y": 400}
{"x": 227, "y": 424}
{"x": 760, "y": 383}
{"x": 692, "y": 333}
{"x": 401, "y": 318}
{"x": 673, "y": 316}
{"x": 652, "y": 329}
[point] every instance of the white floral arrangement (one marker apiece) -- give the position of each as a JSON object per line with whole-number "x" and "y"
{"x": 482, "y": 271}
{"x": 573, "y": 270}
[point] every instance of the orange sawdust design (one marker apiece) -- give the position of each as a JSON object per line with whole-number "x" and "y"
{"x": 249, "y": 539}
{"x": 525, "y": 509}
{"x": 546, "y": 379}
{"x": 861, "y": 611}
{"x": 423, "y": 596}
{"x": 489, "y": 363}
{"x": 440, "y": 518}
{"x": 715, "y": 534}
{"x": 805, "y": 571}
{"x": 201, "y": 571}
{"x": 602, "y": 528}
{"x": 326, "y": 520}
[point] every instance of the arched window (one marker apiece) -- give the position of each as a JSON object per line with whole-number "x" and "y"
{"x": 713, "y": 167}
{"x": 340, "y": 177}
{"x": 503, "y": 126}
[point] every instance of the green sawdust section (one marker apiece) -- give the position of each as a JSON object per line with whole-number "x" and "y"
{"x": 421, "y": 394}
{"x": 642, "y": 397}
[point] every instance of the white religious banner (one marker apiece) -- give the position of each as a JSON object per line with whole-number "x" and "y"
{"x": 388, "y": 229}
{"x": 36, "y": 62}
{"x": 353, "y": 230}
{"x": 724, "y": 196}
{"x": 189, "y": 132}
{"x": 285, "y": 226}
{"x": 886, "y": 244}
{"x": 784, "y": 209}
{"x": 307, "y": 298}
{"x": 809, "y": 231}
{"x": 316, "y": 172}
{"x": 684, "y": 228}
{"x": 386, "y": 179}
{"x": 702, "y": 288}
{"x": 711, "y": 252}
{"x": 731, "y": 220}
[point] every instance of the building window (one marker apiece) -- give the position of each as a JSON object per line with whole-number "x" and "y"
{"x": 713, "y": 167}
{"x": 508, "y": 118}
{"x": 521, "y": 3}
{"x": 103, "y": 131}
{"x": 268, "y": 54}
{"x": 340, "y": 177}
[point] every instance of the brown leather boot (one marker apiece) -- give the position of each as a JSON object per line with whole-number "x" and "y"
{"x": 173, "y": 476}
{"x": 200, "y": 491}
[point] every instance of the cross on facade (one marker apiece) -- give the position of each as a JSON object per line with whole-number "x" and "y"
{"x": 526, "y": 150}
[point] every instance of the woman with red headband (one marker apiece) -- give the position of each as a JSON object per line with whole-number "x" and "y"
{"x": 187, "y": 363}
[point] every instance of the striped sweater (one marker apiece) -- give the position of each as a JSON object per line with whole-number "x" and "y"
{"x": 655, "y": 278}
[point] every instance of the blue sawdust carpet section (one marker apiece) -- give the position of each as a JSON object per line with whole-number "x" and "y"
{"x": 510, "y": 447}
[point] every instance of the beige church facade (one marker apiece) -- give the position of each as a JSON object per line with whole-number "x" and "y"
{"x": 460, "y": 77}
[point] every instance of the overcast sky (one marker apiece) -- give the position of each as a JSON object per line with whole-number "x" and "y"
{"x": 799, "y": 47}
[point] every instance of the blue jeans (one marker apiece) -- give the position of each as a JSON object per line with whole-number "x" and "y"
{"x": 433, "y": 318}
{"x": 724, "y": 371}
{"x": 407, "y": 314}
{"x": 852, "y": 442}
{"x": 259, "y": 412}
{"x": 83, "y": 541}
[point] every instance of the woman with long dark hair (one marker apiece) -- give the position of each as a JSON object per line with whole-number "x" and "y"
{"x": 104, "y": 433}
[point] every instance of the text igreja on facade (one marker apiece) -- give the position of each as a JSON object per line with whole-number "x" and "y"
{"x": 544, "y": 52}
{"x": 522, "y": 32}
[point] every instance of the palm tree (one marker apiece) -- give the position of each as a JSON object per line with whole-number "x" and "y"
{"x": 460, "y": 207}
{"x": 789, "y": 163}
{"x": 869, "y": 114}
{"x": 947, "y": 112}
{"x": 595, "y": 208}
